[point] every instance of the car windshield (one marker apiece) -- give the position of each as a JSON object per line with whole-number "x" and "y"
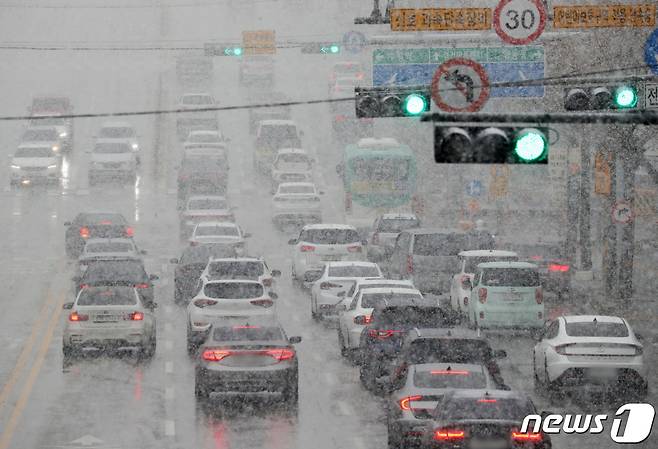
{"x": 117, "y": 132}
{"x": 247, "y": 332}
{"x": 330, "y": 236}
{"x": 456, "y": 409}
{"x": 472, "y": 262}
{"x": 396, "y": 225}
{"x": 448, "y": 378}
{"x": 223, "y": 231}
{"x": 354, "y": 271}
{"x": 297, "y": 189}
{"x": 371, "y": 300}
{"x": 102, "y": 219}
{"x": 207, "y": 203}
{"x": 510, "y": 277}
{"x": 449, "y": 350}
{"x": 108, "y": 247}
{"x": 204, "y": 138}
{"x": 40, "y": 135}
{"x": 201, "y": 254}
{"x": 127, "y": 271}
{"x": 236, "y": 270}
{"x": 34, "y": 152}
{"x": 596, "y": 329}
{"x": 233, "y": 290}
{"x": 279, "y": 132}
{"x": 112, "y": 148}
{"x": 115, "y": 296}
{"x": 439, "y": 244}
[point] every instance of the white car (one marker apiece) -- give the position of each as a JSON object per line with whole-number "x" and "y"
{"x": 240, "y": 268}
{"x": 460, "y": 287}
{"x": 385, "y": 231}
{"x": 220, "y": 233}
{"x": 205, "y": 137}
{"x": 595, "y": 351}
{"x": 112, "y": 158}
{"x": 121, "y": 132}
{"x": 225, "y": 298}
{"x": 62, "y": 125}
{"x": 196, "y": 100}
{"x": 108, "y": 248}
{"x": 321, "y": 243}
{"x": 204, "y": 208}
{"x": 34, "y": 162}
{"x": 296, "y": 202}
{"x": 359, "y": 313}
{"x": 337, "y": 278}
{"x": 43, "y": 136}
{"x": 103, "y": 318}
{"x": 291, "y": 165}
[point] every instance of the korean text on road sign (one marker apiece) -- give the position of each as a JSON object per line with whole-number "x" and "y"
{"x": 604, "y": 16}
{"x": 259, "y": 42}
{"x": 440, "y": 19}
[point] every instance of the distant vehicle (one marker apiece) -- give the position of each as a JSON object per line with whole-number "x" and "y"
{"x": 202, "y": 174}
{"x": 200, "y": 208}
{"x": 349, "y": 69}
{"x": 296, "y": 203}
{"x": 555, "y": 270}
{"x": 322, "y": 243}
{"x": 225, "y": 298}
{"x": 196, "y": 100}
{"x": 337, "y": 278}
{"x": 63, "y": 126}
{"x": 108, "y": 248}
{"x": 43, "y": 136}
{"x": 50, "y": 105}
{"x": 202, "y": 120}
{"x": 205, "y": 138}
{"x": 34, "y": 163}
{"x": 271, "y": 136}
{"x": 190, "y": 265}
{"x": 257, "y": 115}
{"x": 377, "y": 174}
{"x": 291, "y": 165}
{"x": 256, "y": 69}
{"x": 113, "y": 159}
{"x": 595, "y": 352}
{"x": 414, "y": 398}
{"x": 88, "y": 225}
{"x": 506, "y": 295}
{"x": 220, "y": 233}
{"x": 109, "y": 318}
{"x": 239, "y": 268}
{"x": 460, "y": 288}
{"x": 385, "y": 230}
{"x": 120, "y": 132}
{"x": 345, "y": 125}
{"x": 194, "y": 71}
{"x": 469, "y": 418}
{"x": 247, "y": 357}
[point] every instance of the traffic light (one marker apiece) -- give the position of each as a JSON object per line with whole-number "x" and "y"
{"x": 393, "y": 101}
{"x": 620, "y": 96}
{"x": 327, "y": 48}
{"x": 490, "y": 145}
{"x": 213, "y": 49}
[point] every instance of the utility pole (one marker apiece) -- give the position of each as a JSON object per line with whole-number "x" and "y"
{"x": 631, "y": 156}
{"x": 610, "y": 232}
{"x": 585, "y": 201}
{"x": 571, "y": 239}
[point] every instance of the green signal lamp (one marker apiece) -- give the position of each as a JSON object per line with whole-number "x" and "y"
{"x": 530, "y": 145}
{"x": 625, "y": 97}
{"x": 414, "y": 104}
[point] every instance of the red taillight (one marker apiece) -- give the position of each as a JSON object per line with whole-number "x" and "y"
{"x": 382, "y": 334}
{"x": 523, "y": 437}
{"x": 482, "y": 295}
{"x": 558, "y": 267}
{"x": 105, "y": 222}
{"x": 410, "y": 264}
{"x": 201, "y": 303}
{"x": 75, "y": 316}
{"x": 487, "y": 401}
{"x": 539, "y": 295}
{"x": 281, "y": 354}
{"x": 262, "y": 302}
{"x": 375, "y": 238}
{"x": 363, "y": 319}
{"x": 341, "y": 118}
{"x": 83, "y": 286}
{"x": 329, "y": 285}
{"x": 141, "y": 286}
{"x": 194, "y": 243}
{"x": 267, "y": 282}
{"x": 307, "y": 248}
{"x": 136, "y": 316}
{"x": 84, "y": 232}
{"x": 354, "y": 248}
{"x": 130, "y": 231}
{"x": 448, "y": 372}
{"x": 448, "y": 434}
{"x": 215, "y": 355}
{"x": 561, "y": 349}
{"x": 405, "y": 403}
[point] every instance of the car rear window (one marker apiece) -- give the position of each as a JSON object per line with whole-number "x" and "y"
{"x": 34, "y": 152}
{"x": 103, "y": 219}
{"x": 235, "y": 270}
{"x": 196, "y": 99}
{"x": 330, "y": 236}
{"x": 108, "y": 247}
{"x": 472, "y": 262}
{"x": 397, "y": 224}
{"x": 449, "y": 378}
{"x": 115, "y": 271}
{"x": 297, "y": 189}
{"x": 410, "y": 316}
{"x": 510, "y": 277}
{"x": 448, "y": 350}
{"x": 115, "y": 296}
{"x": 116, "y": 132}
{"x": 112, "y": 148}
{"x": 209, "y": 203}
{"x": 230, "y": 231}
{"x": 39, "y": 135}
{"x": 304, "y": 200}
{"x": 439, "y": 244}
{"x": 354, "y": 271}
{"x": 596, "y": 329}
{"x": 204, "y": 138}
{"x": 372, "y": 300}
{"x": 485, "y": 408}
{"x": 233, "y": 290}
{"x": 247, "y": 332}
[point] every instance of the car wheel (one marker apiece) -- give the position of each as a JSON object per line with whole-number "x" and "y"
{"x": 393, "y": 441}
{"x": 148, "y": 351}
{"x": 68, "y": 351}
{"x": 291, "y": 393}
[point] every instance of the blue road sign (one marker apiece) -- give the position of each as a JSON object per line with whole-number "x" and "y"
{"x": 474, "y": 188}
{"x": 354, "y": 41}
{"x": 651, "y": 52}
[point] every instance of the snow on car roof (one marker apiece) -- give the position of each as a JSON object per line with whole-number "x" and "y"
{"x": 506, "y": 265}
{"x": 399, "y": 216}
{"x": 206, "y": 197}
{"x": 354, "y": 263}
{"x": 487, "y": 253}
{"x": 328, "y": 226}
{"x": 291, "y": 151}
{"x": 226, "y": 224}
{"x": 384, "y": 142}
{"x": 380, "y": 290}
{"x": 366, "y": 282}
{"x": 293, "y": 184}
{"x": 277, "y": 122}
{"x": 589, "y": 318}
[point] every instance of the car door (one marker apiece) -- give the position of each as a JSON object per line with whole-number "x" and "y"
{"x": 548, "y": 335}
{"x": 347, "y": 318}
{"x": 398, "y": 256}
{"x": 456, "y": 284}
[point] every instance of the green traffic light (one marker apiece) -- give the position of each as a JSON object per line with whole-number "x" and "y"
{"x": 334, "y": 48}
{"x": 237, "y": 51}
{"x": 414, "y": 104}
{"x": 626, "y": 97}
{"x": 530, "y": 145}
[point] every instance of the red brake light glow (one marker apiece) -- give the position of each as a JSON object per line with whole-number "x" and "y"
{"x": 487, "y": 401}
{"x": 405, "y": 403}
{"x": 448, "y": 434}
{"x": 84, "y": 232}
{"x": 307, "y": 248}
{"x": 448, "y": 372}
{"x": 382, "y": 334}
{"x": 363, "y": 319}
{"x": 518, "y": 436}
{"x": 262, "y": 302}
{"x": 354, "y": 248}
{"x": 281, "y": 354}
{"x": 130, "y": 231}
{"x": 539, "y": 296}
{"x": 246, "y": 327}
{"x": 482, "y": 295}
{"x": 215, "y": 355}
{"x": 75, "y": 316}
{"x": 136, "y": 316}
{"x": 558, "y": 267}
{"x": 141, "y": 285}
{"x": 410, "y": 264}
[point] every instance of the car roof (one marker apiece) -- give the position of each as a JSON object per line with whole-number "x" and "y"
{"x": 277, "y": 122}
{"x": 41, "y": 128}
{"x": 204, "y": 131}
{"x": 434, "y": 231}
{"x": 112, "y": 141}
{"x": 214, "y": 224}
{"x": 487, "y": 253}
{"x": 35, "y": 145}
{"x": 392, "y": 290}
{"x": 398, "y": 216}
{"x": 366, "y": 282}
{"x": 117, "y": 125}
{"x": 506, "y": 265}
{"x": 291, "y": 151}
{"x": 235, "y": 259}
{"x": 443, "y": 333}
{"x": 206, "y": 197}
{"x": 473, "y": 367}
{"x": 328, "y": 226}
{"x": 233, "y": 281}
{"x": 590, "y": 318}
{"x": 110, "y": 240}
{"x": 351, "y": 263}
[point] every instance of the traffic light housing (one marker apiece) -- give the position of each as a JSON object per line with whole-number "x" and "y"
{"x": 223, "y": 50}
{"x": 325, "y": 48}
{"x": 615, "y": 96}
{"x": 391, "y": 101}
{"x": 490, "y": 145}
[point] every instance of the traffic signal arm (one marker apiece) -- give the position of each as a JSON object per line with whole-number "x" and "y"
{"x": 603, "y": 118}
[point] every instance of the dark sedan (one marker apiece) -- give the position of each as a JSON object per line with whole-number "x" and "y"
{"x": 190, "y": 266}
{"x": 118, "y": 272}
{"x": 94, "y": 225}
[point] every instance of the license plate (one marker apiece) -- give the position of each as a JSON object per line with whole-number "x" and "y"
{"x": 332, "y": 258}
{"x": 512, "y": 297}
{"x": 105, "y": 318}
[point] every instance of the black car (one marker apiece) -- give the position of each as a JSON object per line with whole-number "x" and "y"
{"x": 554, "y": 268}
{"x": 94, "y": 225}
{"x": 382, "y": 339}
{"x": 248, "y": 357}
{"x": 190, "y": 266}
{"x": 452, "y": 345}
{"x": 118, "y": 272}
{"x": 483, "y": 418}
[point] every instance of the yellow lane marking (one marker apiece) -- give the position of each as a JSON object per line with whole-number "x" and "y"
{"x": 5, "y": 438}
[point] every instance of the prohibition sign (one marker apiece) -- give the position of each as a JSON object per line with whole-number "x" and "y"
{"x": 519, "y": 22}
{"x": 622, "y": 212}
{"x": 460, "y": 85}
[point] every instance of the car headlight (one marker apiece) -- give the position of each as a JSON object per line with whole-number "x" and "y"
{"x": 16, "y": 167}
{"x": 135, "y": 146}
{"x": 52, "y": 166}
{"x": 55, "y": 148}
{"x": 62, "y": 135}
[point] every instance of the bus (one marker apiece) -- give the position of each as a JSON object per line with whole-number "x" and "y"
{"x": 379, "y": 176}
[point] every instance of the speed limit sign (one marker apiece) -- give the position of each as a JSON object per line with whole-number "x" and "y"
{"x": 519, "y": 22}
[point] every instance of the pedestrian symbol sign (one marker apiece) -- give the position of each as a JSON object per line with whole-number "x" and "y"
{"x": 474, "y": 188}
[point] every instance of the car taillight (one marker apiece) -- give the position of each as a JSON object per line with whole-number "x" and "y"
{"x": 354, "y": 248}
{"x": 75, "y": 316}
{"x": 410, "y": 264}
{"x": 136, "y": 316}
{"x": 539, "y": 295}
{"x": 405, "y": 403}
{"x": 215, "y": 355}
{"x": 448, "y": 434}
{"x": 482, "y": 295}
{"x": 262, "y": 302}
{"x": 382, "y": 334}
{"x": 84, "y": 232}
{"x": 558, "y": 267}
{"x": 83, "y": 286}
{"x": 267, "y": 282}
{"x": 526, "y": 437}
{"x": 329, "y": 285}
{"x": 375, "y": 238}
{"x": 281, "y": 354}
{"x": 130, "y": 231}
{"x": 307, "y": 248}
{"x": 363, "y": 319}
{"x": 562, "y": 349}
{"x": 201, "y": 303}
{"x": 141, "y": 285}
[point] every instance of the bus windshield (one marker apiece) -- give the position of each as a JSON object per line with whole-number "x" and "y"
{"x": 380, "y": 169}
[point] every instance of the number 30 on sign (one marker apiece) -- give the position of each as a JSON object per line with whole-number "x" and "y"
{"x": 519, "y": 22}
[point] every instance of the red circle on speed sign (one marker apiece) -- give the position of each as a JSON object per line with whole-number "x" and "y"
{"x": 522, "y": 25}
{"x": 460, "y": 85}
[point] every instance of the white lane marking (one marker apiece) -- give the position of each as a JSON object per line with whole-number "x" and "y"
{"x": 169, "y": 345}
{"x": 170, "y": 393}
{"x": 330, "y": 378}
{"x": 345, "y": 409}
{"x": 170, "y": 428}
{"x": 169, "y": 367}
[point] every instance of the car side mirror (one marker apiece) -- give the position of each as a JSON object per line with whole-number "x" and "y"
{"x": 153, "y": 277}
{"x": 67, "y": 306}
{"x": 173, "y": 260}
{"x": 361, "y": 320}
{"x": 294, "y": 340}
{"x": 142, "y": 252}
{"x": 273, "y": 295}
{"x": 292, "y": 242}
{"x": 67, "y": 223}
{"x": 500, "y": 354}
{"x": 246, "y": 235}
{"x": 276, "y": 273}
